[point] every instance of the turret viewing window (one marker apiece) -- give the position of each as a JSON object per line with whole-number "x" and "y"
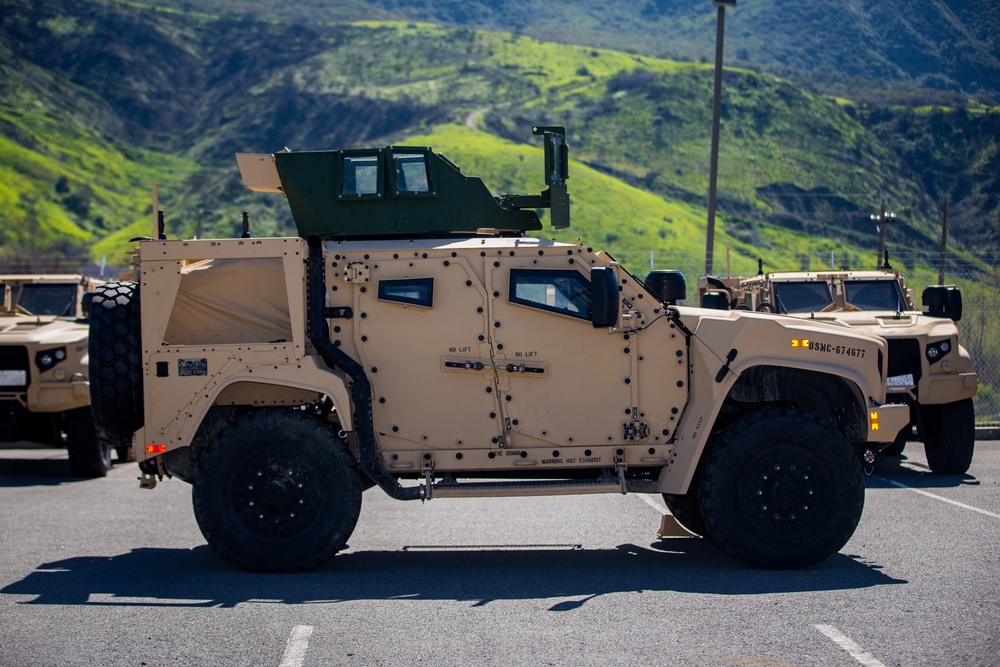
{"x": 360, "y": 175}
{"x": 411, "y": 173}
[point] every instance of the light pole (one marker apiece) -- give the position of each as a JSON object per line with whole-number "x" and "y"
{"x": 881, "y": 219}
{"x": 716, "y": 107}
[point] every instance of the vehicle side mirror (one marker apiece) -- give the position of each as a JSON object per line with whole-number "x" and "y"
{"x": 603, "y": 297}
{"x": 943, "y": 301}
{"x": 88, "y": 298}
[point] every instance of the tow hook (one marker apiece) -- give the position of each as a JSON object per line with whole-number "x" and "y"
{"x": 868, "y": 461}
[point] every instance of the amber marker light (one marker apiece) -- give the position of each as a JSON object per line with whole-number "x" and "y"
{"x": 156, "y": 449}
{"x": 873, "y": 416}
{"x": 800, "y": 342}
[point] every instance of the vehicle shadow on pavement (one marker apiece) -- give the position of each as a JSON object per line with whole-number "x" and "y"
{"x": 913, "y": 472}
{"x": 570, "y": 575}
{"x": 17, "y": 472}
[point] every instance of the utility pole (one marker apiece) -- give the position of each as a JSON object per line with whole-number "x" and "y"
{"x": 882, "y": 219}
{"x": 944, "y": 243}
{"x": 716, "y": 107}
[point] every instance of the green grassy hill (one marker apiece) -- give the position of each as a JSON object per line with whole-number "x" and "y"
{"x": 946, "y": 46}
{"x": 184, "y": 91}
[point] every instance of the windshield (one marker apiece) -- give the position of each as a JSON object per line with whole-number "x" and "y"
{"x": 801, "y": 297}
{"x": 874, "y": 295}
{"x": 48, "y": 299}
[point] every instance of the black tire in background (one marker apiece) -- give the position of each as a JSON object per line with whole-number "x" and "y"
{"x": 88, "y": 456}
{"x": 277, "y": 491}
{"x": 781, "y": 489}
{"x": 949, "y": 436}
{"x": 899, "y": 444}
{"x": 115, "y": 362}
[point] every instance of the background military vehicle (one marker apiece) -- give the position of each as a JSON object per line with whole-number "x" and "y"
{"x": 44, "y": 376}
{"x": 928, "y": 369}
{"x": 414, "y": 337}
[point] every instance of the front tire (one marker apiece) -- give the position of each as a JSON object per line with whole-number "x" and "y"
{"x": 88, "y": 455}
{"x": 781, "y": 489}
{"x": 949, "y": 436}
{"x": 277, "y": 491}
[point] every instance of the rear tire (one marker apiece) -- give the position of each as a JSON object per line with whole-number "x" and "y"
{"x": 88, "y": 456}
{"x": 116, "y": 394}
{"x": 949, "y": 436}
{"x": 781, "y": 489}
{"x": 277, "y": 491}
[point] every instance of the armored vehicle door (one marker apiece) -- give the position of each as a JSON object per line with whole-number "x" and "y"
{"x": 420, "y": 326}
{"x": 561, "y": 382}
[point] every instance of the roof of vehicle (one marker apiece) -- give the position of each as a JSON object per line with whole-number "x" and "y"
{"x": 830, "y": 275}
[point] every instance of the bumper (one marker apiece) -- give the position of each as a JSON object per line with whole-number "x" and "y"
{"x": 885, "y": 421}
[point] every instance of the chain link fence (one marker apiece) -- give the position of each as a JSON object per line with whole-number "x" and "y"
{"x": 978, "y": 278}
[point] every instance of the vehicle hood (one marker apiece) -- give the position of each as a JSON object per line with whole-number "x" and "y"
{"x": 41, "y": 330}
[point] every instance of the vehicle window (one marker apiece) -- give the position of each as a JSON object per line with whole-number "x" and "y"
{"x": 564, "y": 292}
{"x": 874, "y": 295}
{"x": 801, "y": 297}
{"x": 416, "y": 291}
{"x": 360, "y": 175}
{"x": 411, "y": 172}
{"x": 48, "y": 299}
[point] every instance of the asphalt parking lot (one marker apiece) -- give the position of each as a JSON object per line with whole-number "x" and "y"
{"x": 99, "y": 572}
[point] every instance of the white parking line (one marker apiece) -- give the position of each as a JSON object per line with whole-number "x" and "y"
{"x": 844, "y": 642}
{"x": 936, "y": 497}
{"x": 295, "y": 650}
{"x": 656, "y": 504}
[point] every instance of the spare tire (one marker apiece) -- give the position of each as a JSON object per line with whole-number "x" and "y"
{"x": 115, "y": 362}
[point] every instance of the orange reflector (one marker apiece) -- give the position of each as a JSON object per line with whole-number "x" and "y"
{"x": 800, "y": 342}
{"x": 156, "y": 449}
{"x": 873, "y": 416}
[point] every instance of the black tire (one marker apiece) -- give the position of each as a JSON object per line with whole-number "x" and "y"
{"x": 949, "y": 436}
{"x": 115, "y": 362}
{"x": 88, "y": 456}
{"x": 764, "y": 307}
{"x": 899, "y": 444}
{"x": 277, "y": 491}
{"x": 781, "y": 489}
{"x": 686, "y": 511}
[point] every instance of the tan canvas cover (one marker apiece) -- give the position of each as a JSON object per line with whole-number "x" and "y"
{"x": 230, "y": 301}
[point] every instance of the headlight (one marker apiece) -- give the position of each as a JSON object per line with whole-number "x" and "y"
{"x": 46, "y": 359}
{"x": 935, "y": 351}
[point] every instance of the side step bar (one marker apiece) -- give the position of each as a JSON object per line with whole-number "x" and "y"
{"x": 569, "y": 487}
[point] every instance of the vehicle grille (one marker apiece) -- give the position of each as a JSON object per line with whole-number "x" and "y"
{"x": 904, "y": 357}
{"x": 14, "y": 358}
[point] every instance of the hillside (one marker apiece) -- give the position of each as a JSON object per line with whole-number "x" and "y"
{"x": 183, "y": 92}
{"x": 843, "y": 45}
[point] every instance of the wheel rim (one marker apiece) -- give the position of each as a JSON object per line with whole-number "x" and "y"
{"x": 275, "y": 494}
{"x": 787, "y": 493}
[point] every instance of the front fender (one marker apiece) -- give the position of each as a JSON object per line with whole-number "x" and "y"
{"x": 726, "y": 344}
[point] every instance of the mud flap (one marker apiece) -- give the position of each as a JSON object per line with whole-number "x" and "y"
{"x": 670, "y": 528}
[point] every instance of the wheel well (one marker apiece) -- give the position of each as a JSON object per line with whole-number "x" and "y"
{"x": 826, "y": 396}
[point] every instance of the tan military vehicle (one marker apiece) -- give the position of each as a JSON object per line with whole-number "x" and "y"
{"x": 927, "y": 368}
{"x": 44, "y": 378}
{"x": 417, "y": 338}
